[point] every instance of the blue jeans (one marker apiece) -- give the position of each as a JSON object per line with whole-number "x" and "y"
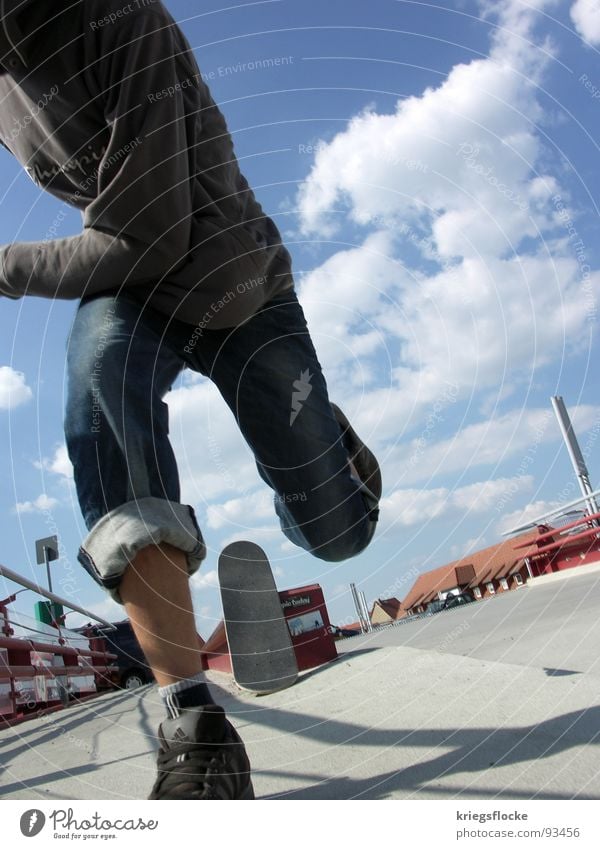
{"x": 122, "y": 360}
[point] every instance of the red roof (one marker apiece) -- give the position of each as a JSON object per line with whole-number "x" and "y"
{"x": 391, "y": 606}
{"x": 496, "y": 561}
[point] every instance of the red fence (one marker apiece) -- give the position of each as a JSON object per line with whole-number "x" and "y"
{"x": 35, "y": 674}
{"x": 45, "y": 671}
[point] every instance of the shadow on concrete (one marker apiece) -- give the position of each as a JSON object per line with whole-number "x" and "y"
{"x": 441, "y": 753}
{"x": 46, "y": 779}
{"x": 47, "y": 728}
{"x": 474, "y": 750}
{"x": 559, "y": 673}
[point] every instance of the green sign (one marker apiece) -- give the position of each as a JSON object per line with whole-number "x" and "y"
{"x": 48, "y": 612}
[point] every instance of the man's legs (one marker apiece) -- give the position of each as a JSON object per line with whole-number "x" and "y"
{"x": 143, "y": 544}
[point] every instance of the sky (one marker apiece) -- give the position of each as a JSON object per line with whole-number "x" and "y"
{"x": 434, "y": 172}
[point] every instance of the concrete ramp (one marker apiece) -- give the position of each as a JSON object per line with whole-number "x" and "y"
{"x": 389, "y": 719}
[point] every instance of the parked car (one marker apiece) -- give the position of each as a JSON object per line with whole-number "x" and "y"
{"x": 132, "y": 668}
{"x": 451, "y": 600}
{"x": 338, "y": 633}
{"x": 456, "y": 599}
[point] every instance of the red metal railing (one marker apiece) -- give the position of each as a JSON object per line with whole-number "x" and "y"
{"x": 22, "y": 663}
{"x": 43, "y": 671}
{"x": 560, "y": 532}
{"x": 566, "y": 541}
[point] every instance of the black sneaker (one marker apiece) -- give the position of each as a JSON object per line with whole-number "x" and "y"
{"x": 201, "y": 756}
{"x": 361, "y": 457}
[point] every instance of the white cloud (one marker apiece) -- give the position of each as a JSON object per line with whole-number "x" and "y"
{"x": 42, "y": 502}
{"x": 515, "y": 434}
{"x": 473, "y": 327}
{"x": 470, "y": 545}
{"x": 412, "y": 506}
{"x": 201, "y": 579}
{"x": 410, "y": 165}
{"x": 526, "y": 514}
{"x": 406, "y": 507}
{"x": 340, "y": 297}
{"x": 585, "y": 14}
{"x": 58, "y": 464}
{"x": 108, "y": 609}
{"x": 242, "y": 513}
{"x": 13, "y": 388}
{"x": 267, "y": 538}
{"x": 212, "y": 455}
{"x": 452, "y": 183}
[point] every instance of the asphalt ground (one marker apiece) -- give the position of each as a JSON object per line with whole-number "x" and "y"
{"x": 494, "y": 700}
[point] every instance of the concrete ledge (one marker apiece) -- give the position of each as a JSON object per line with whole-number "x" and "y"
{"x": 575, "y": 572}
{"x": 499, "y": 702}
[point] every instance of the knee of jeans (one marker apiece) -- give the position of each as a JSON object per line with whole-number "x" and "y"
{"x": 346, "y": 545}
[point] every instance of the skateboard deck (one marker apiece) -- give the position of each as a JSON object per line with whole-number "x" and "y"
{"x": 262, "y": 656}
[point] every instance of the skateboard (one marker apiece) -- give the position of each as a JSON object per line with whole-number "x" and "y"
{"x": 262, "y": 657}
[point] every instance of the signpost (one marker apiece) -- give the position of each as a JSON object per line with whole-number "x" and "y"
{"x": 46, "y": 550}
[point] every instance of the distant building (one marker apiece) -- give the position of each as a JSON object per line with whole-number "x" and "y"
{"x": 565, "y": 547}
{"x": 484, "y": 573}
{"x": 386, "y": 610}
{"x": 505, "y": 566}
{"x": 508, "y": 564}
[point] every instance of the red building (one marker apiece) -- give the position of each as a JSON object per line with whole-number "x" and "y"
{"x": 565, "y": 547}
{"x": 509, "y": 564}
{"x": 484, "y": 573}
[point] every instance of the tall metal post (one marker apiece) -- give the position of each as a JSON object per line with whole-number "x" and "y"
{"x": 47, "y": 562}
{"x": 575, "y": 454}
{"x": 357, "y": 603}
{"x": 363, "y": 599}
{"x": 46, "y": 550}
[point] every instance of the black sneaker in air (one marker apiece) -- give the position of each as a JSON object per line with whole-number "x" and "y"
{"x": 363, "y": 459}
{"x": 201, "y": 756}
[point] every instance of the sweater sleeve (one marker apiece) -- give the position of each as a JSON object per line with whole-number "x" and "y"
{"x": 137, "y": 229}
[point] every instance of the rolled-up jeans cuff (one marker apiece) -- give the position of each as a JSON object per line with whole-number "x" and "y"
{"x": 118, "y": 536}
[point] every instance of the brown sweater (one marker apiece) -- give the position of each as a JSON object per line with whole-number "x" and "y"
{"x": 103, "y": 104}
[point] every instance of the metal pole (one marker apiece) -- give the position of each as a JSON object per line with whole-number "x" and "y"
{"x": 548, "y": 515}
{"x": 47, "y": 562}
{"x": 25, "y": 582}
{"x": 358, "y": 606}
{"x": 575, "y": 454}
{"x": 366, "y": 612}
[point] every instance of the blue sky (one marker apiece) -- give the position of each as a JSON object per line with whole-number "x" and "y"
{"x": 434, "y": 170}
